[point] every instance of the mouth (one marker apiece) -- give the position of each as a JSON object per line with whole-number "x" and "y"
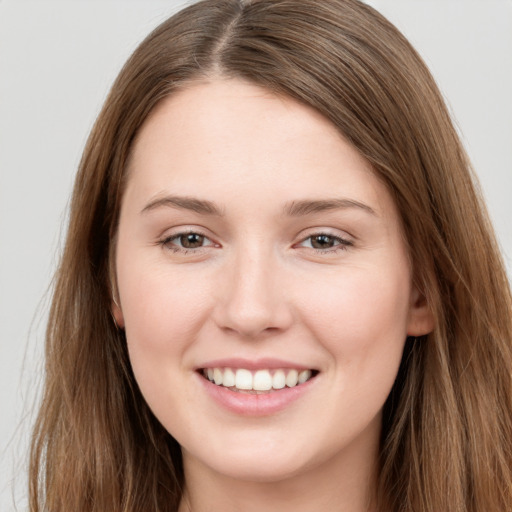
{"x": 261, "y": 381}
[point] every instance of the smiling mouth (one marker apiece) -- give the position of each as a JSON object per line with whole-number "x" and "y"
{"x": 258, "y": 382}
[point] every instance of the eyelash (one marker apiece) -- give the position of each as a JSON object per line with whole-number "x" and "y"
{"x": 166, "y": 242}
{"x": 342, "y": 244}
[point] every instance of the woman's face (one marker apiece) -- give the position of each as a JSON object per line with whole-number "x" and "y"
{"x": 257, "y": 249}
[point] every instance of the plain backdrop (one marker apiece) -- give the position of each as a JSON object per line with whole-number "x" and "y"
{"x": 57, "y": 61}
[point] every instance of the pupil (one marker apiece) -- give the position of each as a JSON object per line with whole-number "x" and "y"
{"x": 322, "y": 241}
{"x": 192, "y": 240}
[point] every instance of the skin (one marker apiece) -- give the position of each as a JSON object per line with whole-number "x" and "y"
{"x": 258, "y": 287}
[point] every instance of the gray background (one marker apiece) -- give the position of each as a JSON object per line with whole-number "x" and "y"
{"x": 57, "y": 61}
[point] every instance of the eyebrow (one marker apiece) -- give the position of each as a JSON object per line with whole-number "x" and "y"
{"x": 200, "y": 206}
{"x": 292, "y": 209}
{"x": 306, "y": 206}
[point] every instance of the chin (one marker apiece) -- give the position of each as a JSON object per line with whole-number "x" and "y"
{"x": 268, "y": 470}
{"x": 256, "y": 464}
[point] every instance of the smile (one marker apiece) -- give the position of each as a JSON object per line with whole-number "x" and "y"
{"x": 259, "y": 381}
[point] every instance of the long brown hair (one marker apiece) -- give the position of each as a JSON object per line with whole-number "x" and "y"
{"x": 447, "y": 430}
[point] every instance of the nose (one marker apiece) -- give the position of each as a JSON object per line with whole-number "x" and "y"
{"x": 252, "y": 300}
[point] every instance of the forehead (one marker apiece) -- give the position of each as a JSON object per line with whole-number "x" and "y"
{"x": 229, "y": 138}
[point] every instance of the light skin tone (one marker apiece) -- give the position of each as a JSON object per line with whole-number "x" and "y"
{"x": 251, "y": 229}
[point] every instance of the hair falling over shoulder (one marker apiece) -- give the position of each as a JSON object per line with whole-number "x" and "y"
{"x": 447, "y": 431}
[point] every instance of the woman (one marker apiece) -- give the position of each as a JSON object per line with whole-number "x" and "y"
{"x": 280, "y": 289}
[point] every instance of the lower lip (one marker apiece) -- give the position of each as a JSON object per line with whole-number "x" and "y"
{"x": 248, "y": 404}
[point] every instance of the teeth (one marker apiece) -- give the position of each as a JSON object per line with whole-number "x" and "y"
{"x": 243, "y": 379}
{"x": 279, "y": 380}
{"x": 292, "y": 378}
{"x": 217, "y": 376}
{"x": 261, "y": 380}
{"x": 228, "y": 379}
{"x": 304, "y": 376}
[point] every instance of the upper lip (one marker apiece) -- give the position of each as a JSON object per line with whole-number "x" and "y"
{"x": 253, "y": 364}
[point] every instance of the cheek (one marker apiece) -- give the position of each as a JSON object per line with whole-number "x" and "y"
{"x": 356, "y": 293}
{"x": 361, "y": 316}
{"x": 362, "y": 324}
{"x": 163, "y": 313}
{"x": 157, "y": 300}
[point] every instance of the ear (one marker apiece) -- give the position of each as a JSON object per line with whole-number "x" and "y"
{"x": 117, "y": 313}
{"x": 421, "y": 319}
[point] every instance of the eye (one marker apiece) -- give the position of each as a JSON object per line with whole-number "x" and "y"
{"x": 325, "y": 242}
{"x": 184, "y": 242}
{"x": 190, "y": 240}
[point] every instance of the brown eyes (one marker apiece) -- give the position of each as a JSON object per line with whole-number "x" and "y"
{"x": 322, "y": 241}
{"x": 193, "y": 241}
{"x": 185, "y": 242}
